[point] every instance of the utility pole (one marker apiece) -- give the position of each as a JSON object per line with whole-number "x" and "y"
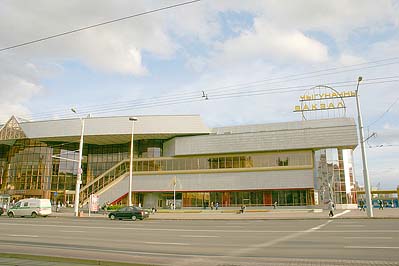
{"x": 79, "y": 176}
{"x": 364, "y": 157}
{"x": 174, "y": 192}
{"x": 133, "y": 119}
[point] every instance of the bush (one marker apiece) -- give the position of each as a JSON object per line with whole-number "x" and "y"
{"x": 114, "y": 207}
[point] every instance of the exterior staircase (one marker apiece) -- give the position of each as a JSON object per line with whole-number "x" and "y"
{"x": 104, "y": 181}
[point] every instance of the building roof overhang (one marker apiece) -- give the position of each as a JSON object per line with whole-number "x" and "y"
{"x": 113, "y": 130}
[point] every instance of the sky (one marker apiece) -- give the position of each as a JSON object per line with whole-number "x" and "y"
{"x": 252, "y": 59}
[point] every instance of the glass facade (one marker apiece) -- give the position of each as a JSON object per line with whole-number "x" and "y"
{"x": 255, "y": 198}
{"x": 49, "y": 169}
{"x": 334, "y": 176}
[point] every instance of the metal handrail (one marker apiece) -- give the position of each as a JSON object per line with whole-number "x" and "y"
{"x": 104, "y": 179}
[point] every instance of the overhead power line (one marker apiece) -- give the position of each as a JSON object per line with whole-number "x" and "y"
{"x": 240, "y": 86}
{"x": 383, "y": 146}
{"x": 158, "y": 102}
{"x": 310, "y": 74}
{"x": 384, "y": 113}
{"x": 97, "y": 25}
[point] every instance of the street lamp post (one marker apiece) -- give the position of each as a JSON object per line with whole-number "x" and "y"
{"x": 174, "y": 192}
{"x": 79, "y": 176}
{"x": 364, "y": 158}
{"x": 133, "y": 119}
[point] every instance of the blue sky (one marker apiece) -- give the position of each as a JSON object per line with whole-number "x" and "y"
{"x": 206, "y": 46}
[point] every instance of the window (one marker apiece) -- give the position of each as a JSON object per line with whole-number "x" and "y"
{"x": 282, "y": 162}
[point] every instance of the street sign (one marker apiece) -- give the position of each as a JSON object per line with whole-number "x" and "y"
{"x": 94, "y": 204}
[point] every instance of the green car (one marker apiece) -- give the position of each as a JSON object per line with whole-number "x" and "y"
{"x": 129, "y": 212}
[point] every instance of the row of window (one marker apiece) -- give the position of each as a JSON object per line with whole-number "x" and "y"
{"x": 203, "y": 163}
{"x": 232, "y": 198}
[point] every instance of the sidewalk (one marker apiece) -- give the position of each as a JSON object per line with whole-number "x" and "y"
{"x": 249, "y": 214}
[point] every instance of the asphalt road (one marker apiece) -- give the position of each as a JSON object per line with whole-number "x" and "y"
{"x": 207, "y": 242}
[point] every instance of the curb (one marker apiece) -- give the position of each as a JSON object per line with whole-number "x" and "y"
{"x": 71, "y": 261}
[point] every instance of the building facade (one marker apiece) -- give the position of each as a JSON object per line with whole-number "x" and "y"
{"x": 302, "y": 163}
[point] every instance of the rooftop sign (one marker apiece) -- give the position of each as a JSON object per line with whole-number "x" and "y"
{"x": 323, "y": 98}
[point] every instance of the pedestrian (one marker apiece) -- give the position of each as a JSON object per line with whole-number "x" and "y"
{"x": 243, "y": 207}
{"x": 212, "y": 205}
{"x": 381, "y": 204}
{"x": 106, "y": 205}
{"x": 361, "y": 204}
{"x": 58, "y": 207}
{"x": 217, "y": 206}
{"x": 275, "y": 205}
{"x": 331, "y": 207}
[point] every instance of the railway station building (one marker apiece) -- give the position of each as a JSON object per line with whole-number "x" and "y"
{"x": 300, "y": 163}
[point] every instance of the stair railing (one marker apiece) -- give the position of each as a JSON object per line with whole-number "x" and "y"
{"x": 104, "y": 180}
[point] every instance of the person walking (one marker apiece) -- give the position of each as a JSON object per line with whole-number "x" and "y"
{"x": 361, "y": 204}
{"x": 212, "y": 205}
{"x": 275, "y": 205}
{"x": 105, "y": 208}
{"x": 243, "y": 207}
{"x": 381, "y": 204}
{"x": 217, "y": 206}
{"x": 331, "y": 207}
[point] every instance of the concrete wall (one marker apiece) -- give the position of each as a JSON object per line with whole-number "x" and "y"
{"x": 282, "y": 136}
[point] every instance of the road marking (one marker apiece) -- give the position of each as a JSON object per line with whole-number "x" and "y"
{"x": 24, "y": 235}
{"x": 359, "y": 231}
{"x": 65, "y": 231}
{"x": 165, "y": 243}
{"x": 196, "y": 236}
{"x": 320, "y": 226}
{"x": 342, "y": 213}
{"x": 194, "y": 230}
{"x": 227, "y": 226}
{"x": 368, "y": 237}
{"x": 192, "y": 257}
{"x": 278, "y": 240}
{"x": 350, "y": 225}
{"x": 374, "y": 247}
{"x": 160, "y": 229}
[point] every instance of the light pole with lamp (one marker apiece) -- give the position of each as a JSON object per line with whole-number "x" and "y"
{"x": 133, "y": 119}
{"x": 174, "y": 192}
{"x": 79, "y": 176}
{"x": 364, "y": 158}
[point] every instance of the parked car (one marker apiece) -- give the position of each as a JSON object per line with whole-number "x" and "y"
{"x": 30, "y": 207}
{"x": 129, "y": 212}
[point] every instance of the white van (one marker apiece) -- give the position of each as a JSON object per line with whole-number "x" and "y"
{"x": 30, "y": 207}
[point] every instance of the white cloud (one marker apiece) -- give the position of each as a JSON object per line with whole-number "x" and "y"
{"x": 18, "y": 83}
{"x": 385, "y": 48}
{"x": 347, "y": 59}
{"x": 195, "y": 23}
{"x": 108, "y": 48}
{"x": 267, "y": 43}
{"x": 337, "y": 18}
